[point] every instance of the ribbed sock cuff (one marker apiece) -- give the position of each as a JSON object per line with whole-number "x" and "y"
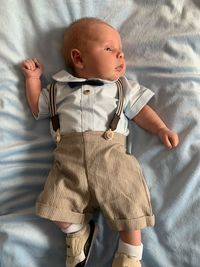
{"x": 72, "y": 228}
{"x": 133, "y": 251}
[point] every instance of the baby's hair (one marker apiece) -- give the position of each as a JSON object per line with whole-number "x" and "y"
{"x": 75, "y": 35}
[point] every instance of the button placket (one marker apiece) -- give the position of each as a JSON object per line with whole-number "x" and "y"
{"x": 87, "y": 108}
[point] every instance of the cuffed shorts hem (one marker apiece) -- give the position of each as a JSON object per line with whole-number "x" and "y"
{"x": 55, "y": 214}
{"x": 132, "y": 224}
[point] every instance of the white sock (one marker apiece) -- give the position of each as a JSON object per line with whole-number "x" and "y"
{"x": 133, "y": 251}
{"x": 74, "y": 227}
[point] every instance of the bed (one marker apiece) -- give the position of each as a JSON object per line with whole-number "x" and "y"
{"x": 161, "y": 41}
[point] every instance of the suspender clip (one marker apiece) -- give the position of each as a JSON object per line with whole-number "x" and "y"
{"x": 108, "y": 135}
{"x": 57, "y": 136}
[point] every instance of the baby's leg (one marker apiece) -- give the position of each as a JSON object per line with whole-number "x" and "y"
{"x": 69, "y": 228}
{"x": 129, "y": 252}
{"x": 62, "y": 225}
{"x": 131, "y": 237}
{"x": 79, "y": 239}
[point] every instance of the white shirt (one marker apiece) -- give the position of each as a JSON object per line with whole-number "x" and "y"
{"x": 91, "y": 108}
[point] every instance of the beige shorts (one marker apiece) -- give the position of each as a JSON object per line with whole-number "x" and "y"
{"x": 90, "y": 172}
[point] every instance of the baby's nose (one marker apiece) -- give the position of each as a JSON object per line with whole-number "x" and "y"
{"x": 120, "y": 54}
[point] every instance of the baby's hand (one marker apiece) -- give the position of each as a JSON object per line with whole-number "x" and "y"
{"x": 31, "y": 68}
{"x": 169, "y": 138}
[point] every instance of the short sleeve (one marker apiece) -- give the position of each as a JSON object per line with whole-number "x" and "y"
{"x": 136, "y": 97}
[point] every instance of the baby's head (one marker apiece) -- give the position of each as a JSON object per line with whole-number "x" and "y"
{"x": 93, "y": 49}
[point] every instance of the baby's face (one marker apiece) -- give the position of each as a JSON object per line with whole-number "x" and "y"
{"x": 102, "y": 54}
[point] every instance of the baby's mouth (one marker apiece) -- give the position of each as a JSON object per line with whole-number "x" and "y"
{"x": 120, "y": 67}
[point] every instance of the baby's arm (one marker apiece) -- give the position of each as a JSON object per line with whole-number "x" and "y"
{"x": 32, "y": 70}
{"x": 150, "y": 121}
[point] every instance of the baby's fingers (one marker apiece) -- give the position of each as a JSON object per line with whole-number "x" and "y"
{"x": 37, "y": 63}
{"x": 29, "y": 64}
{"x": 174, "y": 140}
{"x": 169, "y": 138}
{"x": 167, "y": 142}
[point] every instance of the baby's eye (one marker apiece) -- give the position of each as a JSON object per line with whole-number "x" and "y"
{"x": 108, "y": 49}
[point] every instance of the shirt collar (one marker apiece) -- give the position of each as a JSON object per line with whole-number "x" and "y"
{"x": 64, "y": 76}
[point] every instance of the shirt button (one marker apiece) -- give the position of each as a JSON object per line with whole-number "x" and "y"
{"x": 86, "y": 92}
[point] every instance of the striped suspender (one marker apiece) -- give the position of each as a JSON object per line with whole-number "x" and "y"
{"x": 52, "y": 107}
{"x": 113, "y": 124}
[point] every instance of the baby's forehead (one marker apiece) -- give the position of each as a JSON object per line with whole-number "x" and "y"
{"x": 84, "y": 31}
{"x": 94, "y": 27}
{"x": 101, "y": 31}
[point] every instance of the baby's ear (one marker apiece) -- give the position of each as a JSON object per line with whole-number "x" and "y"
{"x": 76, "y": 58}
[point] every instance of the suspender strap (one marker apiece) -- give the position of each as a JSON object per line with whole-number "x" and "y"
{"x": 117, "y": 115}
{"x": 114, "y": 122}
{"x": 108, "y": 135}
{"x": 52, "y": 107}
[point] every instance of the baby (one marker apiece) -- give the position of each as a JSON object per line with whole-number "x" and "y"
{"x": 92, "y": 169}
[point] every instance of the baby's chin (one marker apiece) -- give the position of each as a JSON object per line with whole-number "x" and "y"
{"x": 109, "y": 77}
{"x": 113, "y": 77}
